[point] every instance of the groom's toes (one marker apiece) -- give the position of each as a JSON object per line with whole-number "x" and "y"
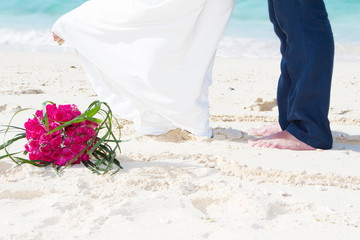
{"x": 265, "y": 144}
{"x": 252, "y": 142}
{"x": 262, "y": 143}
{"x": 256, "y": 143}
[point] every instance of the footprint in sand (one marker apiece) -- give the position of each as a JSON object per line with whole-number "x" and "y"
{"x": 346, "y": 138}
{"x": 4, "y": 167}
{"x": 50, "y": 221}
{"x": 2, "y": 108}
{"x": 261, "y": 105}
{"x": 227, "y": 134}
{"x": 202, "y": 204}
{"x": 21, "y": 195}
{"x": 32, "y": 91}
{"x": 275, "y": 209}
{"x": 176, "y": 136}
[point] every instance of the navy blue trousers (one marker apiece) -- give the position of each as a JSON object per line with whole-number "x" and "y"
{"x": 307, "y": 49}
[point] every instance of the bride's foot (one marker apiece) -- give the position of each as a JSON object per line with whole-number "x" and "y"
{"x": 266, "y": 130}
{"x": 281, "y": 140}
{"x": 58, "y": 39}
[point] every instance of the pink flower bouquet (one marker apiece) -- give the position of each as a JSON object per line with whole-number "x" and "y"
{"x": 61, "y": 136}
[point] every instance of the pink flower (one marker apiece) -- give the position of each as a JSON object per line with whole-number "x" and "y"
{"x": 35, "y": 156}
{"x": 59, "y": 116}
{"x": 75, "y": 125}
{"x": 50, "y": 110}
{"x": 46, "y": 150}
{"x": 68, "y": 117}
{"x": 39, "y": 114}
{"x": 81, "y": 130}
{"x": 32, "y": 156}
{"x": 65, "y": 108}
{"x": 37, "y": 132}
{"x": 86, "y": 122}
{"x": 76, "y": 148}
{"x": 85, "y": 157}
{"x": 47, "y": 159}
{"x": 76, "y": 113}
{"x": 78, "y": 139}
{"x": 60, "y": 162}
{"x": 27, "y": 148}
{"x": 56, "y": 154}
{"x": 34, "y": 145}
{"x": 70, "y": 131}
{"x": 28, "y": 134}
{"x": 91, "y": 132}
{"x": 67, "y": 142}
{"x": 32, "y": 124}
{"x": 53, "y": 125}
{"x": 45, "y": 139}
{"x": 86, "y": 138}
{"x": 67, "y": 154}
{"x": 56, "y": 142}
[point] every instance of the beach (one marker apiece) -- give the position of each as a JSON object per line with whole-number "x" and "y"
{"x": 178, "y": 185}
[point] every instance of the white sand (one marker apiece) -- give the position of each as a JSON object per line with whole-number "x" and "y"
{"x": 179, "y": 186}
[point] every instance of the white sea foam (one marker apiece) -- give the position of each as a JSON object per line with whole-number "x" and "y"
{"x": 229, "y": 47}
{"x": 9, "y": 36}
{"x": 248, "y": 48}
{"x": 31, "y": 40}
{"x": 232, "y": 47}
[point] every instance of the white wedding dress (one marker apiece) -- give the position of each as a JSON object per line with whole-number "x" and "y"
{"x": 151, "y": 60}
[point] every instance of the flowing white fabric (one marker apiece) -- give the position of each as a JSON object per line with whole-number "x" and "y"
{"x": 151, "y": 60}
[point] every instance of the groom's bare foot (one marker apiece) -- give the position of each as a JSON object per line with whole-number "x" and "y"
{"x": 58, "y": 39}
{"x": 266, "y": 130}
{"x": 281, "y": 140}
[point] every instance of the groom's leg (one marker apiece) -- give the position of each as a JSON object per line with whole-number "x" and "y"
{"x": 283, "y": 85}
{"x": 309, "y": 61}
{"x": 309, "y": 57}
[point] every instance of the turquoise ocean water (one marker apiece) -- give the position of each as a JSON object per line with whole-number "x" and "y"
{"x": 25, "y": 26}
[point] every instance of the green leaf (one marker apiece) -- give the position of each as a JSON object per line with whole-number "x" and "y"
{"x": 90, "y": 166}
{"x": 92, "y": 112}
{"x": 12, "y": 154}
{"x": 46, "y": 119}
{"x": 15, "y": 127}
{"x": 33, "y": 162}
{"x": 98, "y": 143}
{"x": 11, "y": 141}
{"x": 6, "y": 131}
{"x": 98, "y": 121}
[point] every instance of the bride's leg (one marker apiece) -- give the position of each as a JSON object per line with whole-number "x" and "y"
{"x": 58, "y": 39}
{"x": 152, "y": 123}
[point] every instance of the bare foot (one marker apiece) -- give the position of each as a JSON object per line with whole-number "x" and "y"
{"x": 58, "y": 39}
{"x": 281, "y": 140}
{"x": 266, "y": 130}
